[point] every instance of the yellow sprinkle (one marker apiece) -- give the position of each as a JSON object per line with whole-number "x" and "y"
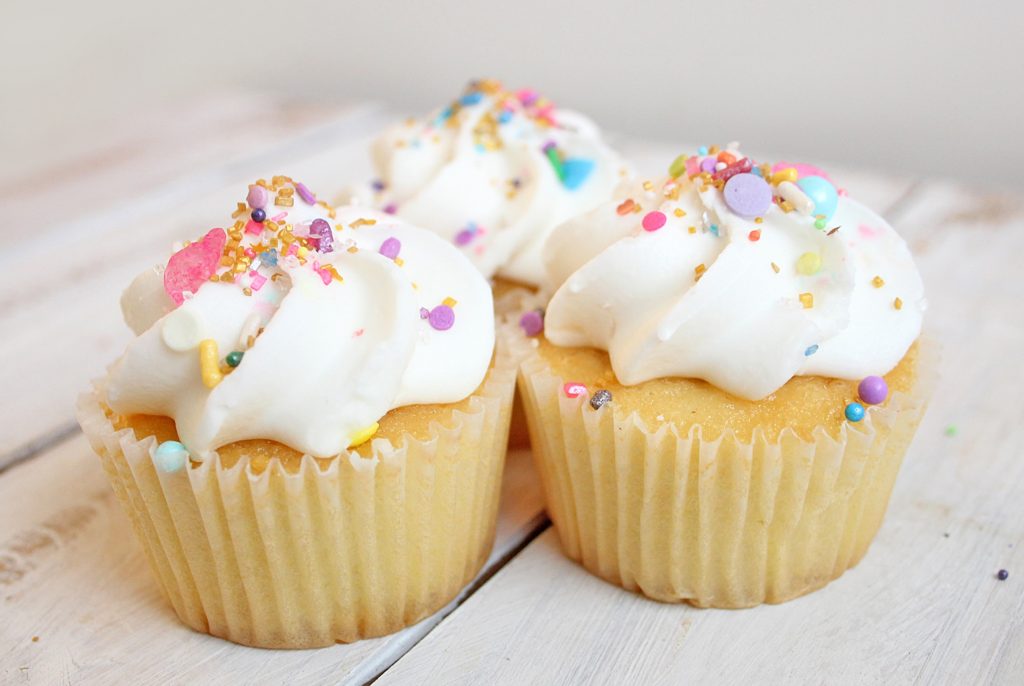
{"x": 698, "y": 271}
{"x": 450, "y": 302}
{"x": 758, "y": 220}
{"x": 787, "y": 174}
{"x": 877, "y": 282}
{"x": 362, "y": 222}
{"x": 399, "y": 261}
{"x": 363, "y": 435}
{"x": 302, "y": 251}
{"x": 898, "y": 304}
{"x": 679, "y": 212}
{"x": 775, "y": 267}
{"x": 807, "y": 300}
{"x": 282, "y": 201}
{"x": 692, "y": 229}
{"x": 808, "y": 264}
{"x": 209, "y": 365}
{"x": 648, "y": 185}
{"x": 240, "y": 209}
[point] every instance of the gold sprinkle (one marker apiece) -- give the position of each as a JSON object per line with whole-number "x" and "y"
{"x": 282, "y": 201}
{"x": 758, "y": 220}
{"x": 898, "y": 304}
{"x": 679, "y": 212}
{"x": 362, "y": 222}
{"x": 698, "y": 271}
{"x": 247, "y": 291}
{"x": 353, "y": 249}
{"x": 648, "y": 185}
{"x": 240, "y": 209}
{"x": 450, "y": 301}
{"x": 807, "y": 300}
{"x": 877, "y": 282}
{"x": 775, "y": 267}
{"x": 399, "y": 261}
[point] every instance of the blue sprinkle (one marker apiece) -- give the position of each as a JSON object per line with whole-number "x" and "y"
{"x": 575, "y": 171}
{"x": 714, "y": 230}
{"x": 702, "y": 150}
{"x": 855, "y": 412}
{"x": 471, "y": 98}
{"x": 504, "y": 116}
{"x": 756, "y": 171}
{"x": 443, "y": 116}
{"x": 269, "y": 257}
{"x": 170, "y": 456}
{"x": 480, "y": 149}
{"x": 811, "y": 350}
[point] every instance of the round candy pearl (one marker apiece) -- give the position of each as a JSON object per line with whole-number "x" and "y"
{"x": 748, "y": 195}
{"x": 390, "y": 248}
{"x": 259, "y": 215}
{"x": 532, "y": 322}
{"x": 654, "y": 220}
{"x": 855, "y": 412}
{"x": 257, "y": 197}
{"x": 873, "y": 390}
{"x": 234, "y": 358}
{"x": 441, "y": 317}
{"x": 708, "y": 164}
{"x": 808, "y": 264}
{"x": 822, "y": 193}
{"x": 170, "y": 456}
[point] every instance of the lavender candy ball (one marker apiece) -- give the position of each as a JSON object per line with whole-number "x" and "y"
{"x": 532, "y": 322}
{"x": 873, "y": 390}
{"x": 441, "y": 317}
{"x": 748, "y": 195}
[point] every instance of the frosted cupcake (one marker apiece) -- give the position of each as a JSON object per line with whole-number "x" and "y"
{"x": 727, "y": 380}
{"x": 492, "y": 173}
{"x": 308, "y": 431}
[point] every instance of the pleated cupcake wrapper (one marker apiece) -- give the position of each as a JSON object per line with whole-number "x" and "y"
{"x": 362, "y": 548}
{"x": 719, "y": 523}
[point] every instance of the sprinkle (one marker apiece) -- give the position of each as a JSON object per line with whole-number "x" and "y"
{"x": 877, "y": 282}
{"x": 193, "y": 265}
{"x": 1002, "y": 575}
{"x": 532, "y": 322}
{"x": 390, "y": 208}
{"x": 600, "y": 399}
{"x": 820, "y": 223}
{"x": 362, "y": 221}
{"x": 833, "y": 230}
{"x": 258, "y": 215}
{"x": 811, "y": 349}
{"x": 378, "y": 185}
{"x": 283, "y": 201}
{"x": 625, "y": 207}
{"x": 208, "y": 363}
{"x": 390, "y": 248}
{"x": 747, "y": 195}
{"x": 648, "y": 186}
{"x": 471, "y": 98}
{"x": 257, "y": 197}
{"x": 822, "y": 193}
{"x": 898, "y": 304}
{"x": 234, "y": 358}
{"x": 269, "y": 257}
{"x": 466, "y": 235}
{"x": 363, "y": 435}
{"x": 254, "y": 227}
{"x": 654, "y": 220}
{"x": 441, "y": 317}
{"x": 744, "y": 166}
{"x": 951, "y": 431}
{"x": 257, "y": 280}
{"x": 575, "y": 171}
{"x": 808, "y": 264}
{"x": 306, "y": 194}
{"x": 678, "y": 166}
{"x": 792, "y": 194}
{"x": 788, "y": 174}
{"x": 692, "y": 229}
{"x": 775, "y": 268}
{"x": 702, "y": 150}
{"x": 754, "y": 235}
{"x": 170, "y": 456}
{"x": 854, "y": 412}
{"x": 679, "y": 212}
{"x": 574, "y": 389}
{"x": 320, "y": 236}
{"x": 698, "y": 271}
{"x": 807, "y": 300}
{"x": 873, "y": 390}
{"x": 551, "y": 150}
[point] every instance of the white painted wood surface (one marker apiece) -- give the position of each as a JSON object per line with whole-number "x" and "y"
{"x": 921, "y": 607}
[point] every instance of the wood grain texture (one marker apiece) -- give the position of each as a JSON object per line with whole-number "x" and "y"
{"x": 923, "y": 607}
{"x": 72, "y": 574}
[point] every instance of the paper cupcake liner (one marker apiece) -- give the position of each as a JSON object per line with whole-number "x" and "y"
{"x": 361, "y": 548}
{"x": 715, "y": 523}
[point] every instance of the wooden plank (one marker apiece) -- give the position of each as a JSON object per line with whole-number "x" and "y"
{"x": 924, "y": 606}
{"x": 59, "y": 304}
{"x": 72, "y": 575}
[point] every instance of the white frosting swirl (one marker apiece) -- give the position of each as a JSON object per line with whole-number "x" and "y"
{"x": 702, "y": 297}
{"x": 329, "y": 358}
{"x": 477, "y": 174}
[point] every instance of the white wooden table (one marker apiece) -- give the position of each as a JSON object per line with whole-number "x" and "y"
{"x": 78, "y": 605}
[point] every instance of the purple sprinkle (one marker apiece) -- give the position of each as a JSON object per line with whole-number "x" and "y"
{"x": 390, "y": 248}
{"x": 321, "y": 237}
{"x": 708, "y": 164}
{"x": 305, "y": 193}
{"x": 390, "y": 208}
{"x": 424, "y": 313}
{"x": 442, "y": 317}
{"x": 748, "y": 195}
{"x": 378, "y": 185}
{"x": 464, "y": 237}
{"x": 873, "y": 390}
{"x": 532, "y": 322}
{"x": 548, "y": 146}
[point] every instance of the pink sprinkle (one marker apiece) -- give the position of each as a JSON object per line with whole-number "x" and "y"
{"x": 357, "y": 333}
{"x": 306, "y": 194}
{"x": 293, "y": 249}
{"x": 574, "y": 389}
{"x": 325, "y": 275}
{"x": 390, "y": 208}
{"x": 249, "y": 252}
{"x": 390, "y": 248}
{"x": 527, "y": 96}
{"x": 654, "y": 220}
{"x": 257, "y": 280}
{"x": 867, "y": 231}
{"x": 692, "y": 166}
{"x": 255, "y": 228}
{"x": 279, "y": 217}
{"x": 257, "y": 197}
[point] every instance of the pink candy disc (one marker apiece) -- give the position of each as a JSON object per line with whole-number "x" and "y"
{"x": 193, "y": 265}
{"x": 574, "y": 389}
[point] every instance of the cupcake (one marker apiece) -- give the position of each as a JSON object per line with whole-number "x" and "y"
{"x": 492, "y": 173}
{"x": 729, "y": 374}
{"x": 308, "y": 431}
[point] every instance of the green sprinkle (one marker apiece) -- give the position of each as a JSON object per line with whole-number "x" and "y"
{"x": 951, "y": 430}
{"x": 234, "y": 358}
{"x": 820, "y": 223}
{"x": 556, "y": 162}
{"x": 677, "y": 167}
